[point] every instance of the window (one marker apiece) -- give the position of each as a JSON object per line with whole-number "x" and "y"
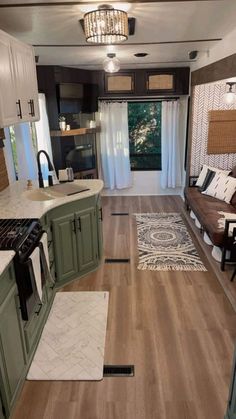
{"x": 15, "y": 150}
{"x": 22, "y": 144}
{"x": 144, "y": 120}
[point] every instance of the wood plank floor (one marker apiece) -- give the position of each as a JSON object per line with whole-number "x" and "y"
{"x": 178, "y": 328}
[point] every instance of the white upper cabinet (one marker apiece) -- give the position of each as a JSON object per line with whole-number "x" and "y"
{"x": 8, "y": 108}
{"x": 18, "y": 82}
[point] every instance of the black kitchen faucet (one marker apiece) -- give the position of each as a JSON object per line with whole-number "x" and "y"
{"x": 50, "y": 167}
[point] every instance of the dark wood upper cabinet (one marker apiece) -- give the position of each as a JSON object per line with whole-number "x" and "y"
{"x": 156, "y": 82}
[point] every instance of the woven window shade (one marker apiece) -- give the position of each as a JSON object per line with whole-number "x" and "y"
{"x": 222, "y": 132}
{"x": 119, "y": 83}
{"x": 161, "y": 82}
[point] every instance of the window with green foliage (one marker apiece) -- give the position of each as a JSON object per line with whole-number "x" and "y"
{"x": 13, "y": 147}
{"x": 13, "y": 144}
{"x": 145, "y": 135}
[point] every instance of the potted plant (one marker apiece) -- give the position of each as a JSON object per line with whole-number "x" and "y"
{"x": 62, "y": 123}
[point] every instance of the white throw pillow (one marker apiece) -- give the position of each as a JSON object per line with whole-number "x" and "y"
{"x": 221, "y": 187}
{"x": 203, "y": 173}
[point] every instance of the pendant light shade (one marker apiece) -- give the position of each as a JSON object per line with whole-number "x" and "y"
{"x": 111, "y": 64}
{"x": 106, "y": 25}
{"x": 230, "y": 96}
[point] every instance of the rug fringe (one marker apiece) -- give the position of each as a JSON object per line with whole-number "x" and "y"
{"x": 187, "y": 268}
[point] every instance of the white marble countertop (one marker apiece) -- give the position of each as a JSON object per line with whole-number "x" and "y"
{"x": 15, "y": 204}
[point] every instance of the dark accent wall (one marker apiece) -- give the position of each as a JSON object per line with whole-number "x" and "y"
{"x": 49, "y": 78}
{"x": 220, "y": 70}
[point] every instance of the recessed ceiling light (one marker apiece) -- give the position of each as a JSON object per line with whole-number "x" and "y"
{"x": 141, "y": 54}
{"x": 192, "y": 55}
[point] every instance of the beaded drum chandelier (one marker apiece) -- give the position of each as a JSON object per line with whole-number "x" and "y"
{"x": 106, "y": 25}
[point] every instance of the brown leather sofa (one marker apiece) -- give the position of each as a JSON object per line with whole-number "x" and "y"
{"x": 206, "y": 210}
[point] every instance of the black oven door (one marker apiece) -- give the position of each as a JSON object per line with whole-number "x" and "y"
{"x": 25, "y": 278}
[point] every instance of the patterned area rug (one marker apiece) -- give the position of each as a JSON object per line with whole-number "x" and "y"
{"x": 164, "y": 244}
{"x": 73, "y": 340}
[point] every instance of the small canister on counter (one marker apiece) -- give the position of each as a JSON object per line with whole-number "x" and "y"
{"x": 70, "y": 174}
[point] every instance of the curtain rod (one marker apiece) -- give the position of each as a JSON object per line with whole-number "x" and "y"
{"x": 124, "y": 99}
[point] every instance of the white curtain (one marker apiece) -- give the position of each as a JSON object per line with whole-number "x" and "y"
{"x": 170, "y": 145}
{"x": 43, "y": 135}
{"x": 114, "y": 142}
{"x": 27, "y": 165}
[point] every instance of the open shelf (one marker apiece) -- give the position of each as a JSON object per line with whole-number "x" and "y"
{"x": 73, "y": 132}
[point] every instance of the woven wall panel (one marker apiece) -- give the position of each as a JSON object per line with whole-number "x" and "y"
{"x": 226, "y": 115}
{"x": 222, "y": 132}
{"x": 207, "y": 97}
{"x": 3, "y": 170}
{"x": 119, "y": 83}
{"x": 161, "y": 82}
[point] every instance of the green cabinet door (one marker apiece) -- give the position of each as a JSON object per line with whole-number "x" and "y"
{"x": 231, "y": 408}
{"x": 1, "y": 410}
{"x": 12, "y": 359}
{"x": 87, "y": 241}
{"x": 64, "y": 239}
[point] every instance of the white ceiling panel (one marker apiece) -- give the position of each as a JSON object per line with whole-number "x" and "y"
{"x": 92, "y": 57}
{"x": 155, "y": 22}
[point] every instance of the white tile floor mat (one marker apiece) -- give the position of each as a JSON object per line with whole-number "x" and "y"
{"x": 73, "y": 340}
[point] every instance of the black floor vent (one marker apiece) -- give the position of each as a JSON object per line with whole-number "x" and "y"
{"x": 118, "y": 371}
{"x": 119, "y": 213}
{"x": 117, "y": 260}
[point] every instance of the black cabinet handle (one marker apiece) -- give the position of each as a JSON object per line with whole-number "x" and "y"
{"x": 101, "y": 214}
{"x": 19, "y": 111}
{"x": 79, "y": 223}
{"x": 31, "y": 104}
{"x": 40, "y": 308}
{"x": 33, "y": 111}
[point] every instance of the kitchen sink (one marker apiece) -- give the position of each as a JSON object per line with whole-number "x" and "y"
{"x": 45, "y": 194}
{"x": 52, "y": 192}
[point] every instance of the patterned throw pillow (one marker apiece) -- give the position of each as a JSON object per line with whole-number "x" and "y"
{"x": 222, "y": 187}
{"x": 203, "y": 173}
{"x": 208, "y": 179}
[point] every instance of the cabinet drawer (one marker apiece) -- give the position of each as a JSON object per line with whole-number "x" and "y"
{"x": 7, "y": 280}
{"x": 34, "y": 326}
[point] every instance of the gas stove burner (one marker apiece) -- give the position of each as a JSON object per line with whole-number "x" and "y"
{"x": 21, "y": 235}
